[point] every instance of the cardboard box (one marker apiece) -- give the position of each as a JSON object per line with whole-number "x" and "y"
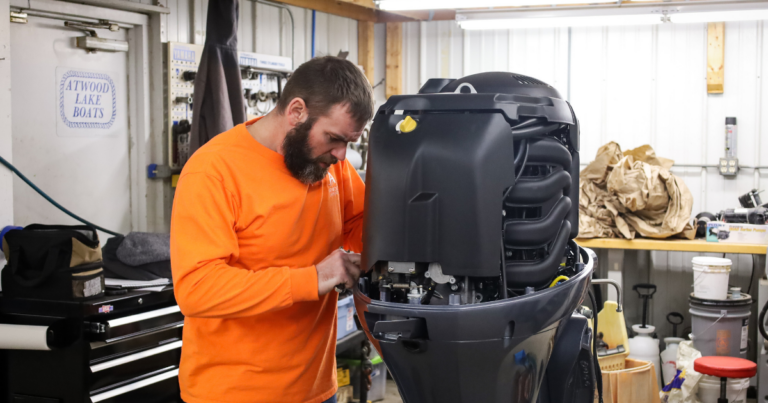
{"x": 737, "y": 233}
{"x": 346, "y": 317}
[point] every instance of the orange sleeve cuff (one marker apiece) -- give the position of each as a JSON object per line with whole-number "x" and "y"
{"x": 304, "y": 284}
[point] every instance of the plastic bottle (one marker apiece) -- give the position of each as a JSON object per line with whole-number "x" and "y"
{"x": 645, "y": 348}
{"x": 669, "y": 359}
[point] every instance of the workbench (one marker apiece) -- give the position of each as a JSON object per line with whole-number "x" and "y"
{"x": 676, "y": 245}
{"x": 758, "y": 253}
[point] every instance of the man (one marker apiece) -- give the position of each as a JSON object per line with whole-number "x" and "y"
{"x": 259, "y": 217}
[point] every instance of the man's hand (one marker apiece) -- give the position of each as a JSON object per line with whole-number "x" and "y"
{"x": 338, "y": 268}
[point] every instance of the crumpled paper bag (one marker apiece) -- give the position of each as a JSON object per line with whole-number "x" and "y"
{"x": 622, "y": 194}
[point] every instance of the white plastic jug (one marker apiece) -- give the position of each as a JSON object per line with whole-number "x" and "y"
{"x": 669, "y": 359}
{"x": 643, "y": 347}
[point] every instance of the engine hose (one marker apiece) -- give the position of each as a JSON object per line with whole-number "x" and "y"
{"x": 50, "y": 200}
{"x": 522, "y": 166}
{"x": 533, "y": 131}
{"x": 527, "y": 123}
{"x": 525, "y": 143}
{"x": 504, "y": 293}
{"x": 519, "y": 153}
{"x": 596, "y": 363}
{"x": 761, "y": 322}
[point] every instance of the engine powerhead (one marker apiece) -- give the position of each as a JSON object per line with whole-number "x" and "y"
{"x": 472, "y": 272}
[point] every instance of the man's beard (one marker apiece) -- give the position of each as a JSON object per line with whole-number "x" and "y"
{"x": 298, "y": 155}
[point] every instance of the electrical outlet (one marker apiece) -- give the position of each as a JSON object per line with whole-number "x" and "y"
{"x": 729, "y": 166}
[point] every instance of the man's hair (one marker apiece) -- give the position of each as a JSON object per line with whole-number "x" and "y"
{"x": 327, "y": 81}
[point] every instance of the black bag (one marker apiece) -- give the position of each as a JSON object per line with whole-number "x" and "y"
{"x": 56, "y": 262}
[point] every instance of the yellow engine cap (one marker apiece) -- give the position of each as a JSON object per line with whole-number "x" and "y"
{"x": 407, "y": 125}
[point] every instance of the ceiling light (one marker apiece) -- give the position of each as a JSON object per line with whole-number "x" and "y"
{"x": 719, "y": 16}
{"x": 555, "y": 22}
{"x": 403, "y": 5}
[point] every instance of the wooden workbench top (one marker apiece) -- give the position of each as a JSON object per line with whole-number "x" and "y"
{"x": 679, "y": 245}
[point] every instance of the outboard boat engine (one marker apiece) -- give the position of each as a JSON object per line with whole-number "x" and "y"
{"x": 474, "y": 282}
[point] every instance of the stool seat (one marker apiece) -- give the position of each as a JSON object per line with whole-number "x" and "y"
{"x": 725, "y": 367}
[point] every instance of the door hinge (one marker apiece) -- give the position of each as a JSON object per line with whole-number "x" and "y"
{"x": 18, "y": 17}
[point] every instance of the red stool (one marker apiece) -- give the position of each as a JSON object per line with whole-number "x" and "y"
{"x": 724, "y": 368}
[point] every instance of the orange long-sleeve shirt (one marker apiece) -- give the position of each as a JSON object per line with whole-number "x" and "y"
{"x": 245, "y": 236}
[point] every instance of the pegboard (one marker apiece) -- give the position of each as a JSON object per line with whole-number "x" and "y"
{"x": 181, "y": 68}
{"x": 263, "y": 78}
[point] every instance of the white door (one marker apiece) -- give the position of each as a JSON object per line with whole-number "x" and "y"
{"x": 70, "y": 126}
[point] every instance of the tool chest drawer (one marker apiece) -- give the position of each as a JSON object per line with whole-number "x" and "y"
{"x": 146, "y": 358}
{"x": 124, "y": 327}
{"x": 160, "y": 386}
{"x": 116, "y": 349}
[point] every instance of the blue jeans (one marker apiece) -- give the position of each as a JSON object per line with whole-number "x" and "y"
{"x": 331, "y": 400}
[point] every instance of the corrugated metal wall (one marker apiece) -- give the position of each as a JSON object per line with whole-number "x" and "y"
{"x": 265, "y": 29}
{"x": 633, "y": 85}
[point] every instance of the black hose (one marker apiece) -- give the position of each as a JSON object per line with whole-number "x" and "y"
{"x": 519, "y": 153}
{"x": 528, "y": 122}
{"x": 532, "y": 131}
{"x": 761, "y": 322}
{"x": 522, "y": 166}
{"x": 504, "y": 293}
{"x": 596, "y": 363}
{"x": 50, "y": 200}
{"x": 503, "y": 199}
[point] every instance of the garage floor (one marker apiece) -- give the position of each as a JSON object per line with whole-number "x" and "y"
{"x": 392, "y": 396}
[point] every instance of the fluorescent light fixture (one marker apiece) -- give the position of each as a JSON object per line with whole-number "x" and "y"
{"x": 555, "y": 22}
{"x": 404, "y": 5}
{"x": 719, "y": 16}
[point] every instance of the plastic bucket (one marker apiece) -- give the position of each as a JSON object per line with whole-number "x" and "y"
{"x": 709, "y": 389}
{"x": 710, "y": 277}
{"x": 720, "y": 327}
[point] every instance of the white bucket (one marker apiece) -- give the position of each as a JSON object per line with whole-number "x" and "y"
{"x": 710, "y": 277}
{"x": 709, "y": 389}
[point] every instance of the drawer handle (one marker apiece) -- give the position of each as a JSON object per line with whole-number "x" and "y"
{"x": 134, "y": 357}
{"x": 142, "y": 316}
{"x": 133, "y": 386}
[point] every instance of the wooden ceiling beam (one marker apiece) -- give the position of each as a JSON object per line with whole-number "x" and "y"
{"x": 340, "y": 8}
{"x": 419, "y": 15}
{"x": 366, "y": 10}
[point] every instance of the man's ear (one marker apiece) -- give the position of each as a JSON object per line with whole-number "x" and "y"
{"x": 296, "y": 112}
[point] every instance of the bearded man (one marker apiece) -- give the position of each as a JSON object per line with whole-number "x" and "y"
{"x": 260, "y": 217}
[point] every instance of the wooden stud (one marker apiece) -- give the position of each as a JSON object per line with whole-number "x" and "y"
{"x": 394, "y": 73}
{"x": 365, "y": 50}
{"x": 715, "y": 57}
